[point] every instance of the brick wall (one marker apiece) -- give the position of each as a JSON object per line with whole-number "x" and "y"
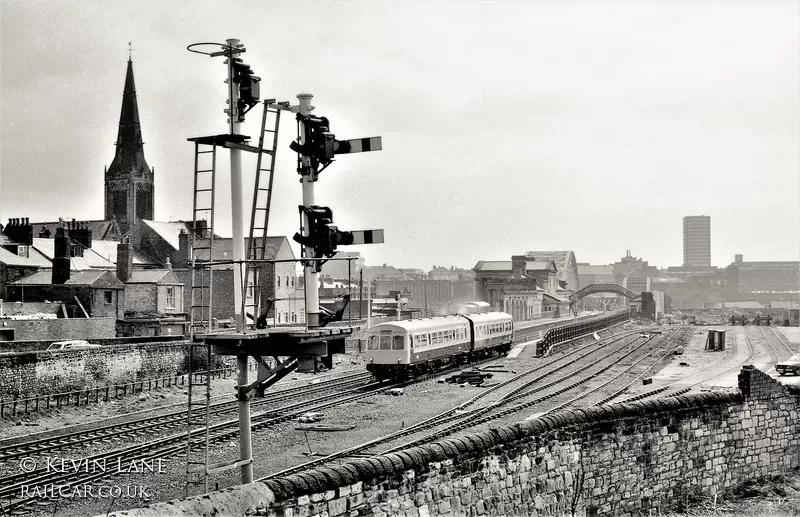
{"x": 621, "y": 460}
{"x": 141, "y": 298}
{"x": 25, "y": 374}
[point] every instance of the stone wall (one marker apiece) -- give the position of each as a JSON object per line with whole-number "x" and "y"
{"x": 63, "y": 328}
{"x": 614, "y": 460}
{"x": 26, "y": 374}
{"x": 39, "y": 344}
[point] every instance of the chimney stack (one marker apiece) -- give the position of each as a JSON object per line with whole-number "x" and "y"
{"x": 124, "y": 260}
{"x": 19, "y": 230}
{"x": 82, "y": 234}
{"x": 519, "y": 266}
{"x": 61, "y": 257}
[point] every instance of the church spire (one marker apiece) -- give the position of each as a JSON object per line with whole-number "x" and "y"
{"x": 129, "y": 156}
{"x": 129, "y": 180}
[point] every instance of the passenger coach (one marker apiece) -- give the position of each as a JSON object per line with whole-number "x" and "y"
{"x": 413, "y": 346}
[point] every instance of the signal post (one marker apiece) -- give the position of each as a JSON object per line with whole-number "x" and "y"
{"x": 308, "y": 179}
{"x": 289, "y": 346}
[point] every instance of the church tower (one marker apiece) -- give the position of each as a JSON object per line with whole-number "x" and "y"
{"x": 129, "y": 180}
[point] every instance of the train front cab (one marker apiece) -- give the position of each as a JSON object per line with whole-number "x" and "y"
{"x": 387, "y": 349}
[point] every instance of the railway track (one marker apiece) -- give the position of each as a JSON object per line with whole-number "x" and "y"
{"x": 460, "y": 417}
{"x": 680, "y": 387}
{"x": 165, "y": 446}
{"x": 780, "y": 347}
{"x": 173, "y": 445}
{"x": 160, "y": 423}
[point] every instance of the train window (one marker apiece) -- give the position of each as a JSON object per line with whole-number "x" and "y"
{"x": 386, "y": 341}
{"x": 399, "y": 343}
{"x": 372, "y": 344}
{"x": 422, "y": 340}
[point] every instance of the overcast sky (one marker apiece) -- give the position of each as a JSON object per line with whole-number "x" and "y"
{"x": 507, "y": 126}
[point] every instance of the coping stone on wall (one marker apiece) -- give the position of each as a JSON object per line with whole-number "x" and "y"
{"x": 352, "y": 470}
{"x": 450, "y": 448}
{"x": 386, "y": 464}
{"x": 425, "y": 454}
{"x": 506, "y": 434}
{"x": 562, "y": 419}
{"x": 437, "y": 451}
{"x": 570, "y": 416}
{"x": 334, "y": 476}
{"x": 531, "y": 427}
{"x": 549, "y": 422}
{"x": 475, "y": 442}
{"x": 460, "y": 444}
{"x": 412, "y": 458}
{"x": 280, "y": 488}
{"x": 299, "y": 485}
{"x": 366, "y": 470}
{"x": 377, "y": 465}
{"x": 316, "y": 481}
{"x": 397, "y": 462}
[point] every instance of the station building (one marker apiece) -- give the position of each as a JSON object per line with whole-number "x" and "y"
{"x": 526, "y": 288}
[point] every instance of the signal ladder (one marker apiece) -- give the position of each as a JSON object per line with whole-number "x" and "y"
{"x": 203, "y": 264}
{"x": 259, "y": 216}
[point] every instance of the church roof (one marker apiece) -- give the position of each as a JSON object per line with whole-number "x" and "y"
{"x": 129, "y": 156}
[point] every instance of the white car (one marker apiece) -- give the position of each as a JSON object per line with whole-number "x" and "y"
{"x": 73, "y": 344}
{"x": 791, "y": 365}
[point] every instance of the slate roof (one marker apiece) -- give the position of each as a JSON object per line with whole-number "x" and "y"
{"x": 223, "y": 248}
{"x": 90, "y": 259}
{"x": 102, "y": 230}
{"x": 558, "y": 257}
{"x": 154, "y": 276}
{"x": 556, "y": 297}
{"x": 169, "y": 231}
{"x": 96, "y": 278}
{"x": 108, "y": 250}
{"x": 506, "y": 265}
{"x": 34, "y": 259}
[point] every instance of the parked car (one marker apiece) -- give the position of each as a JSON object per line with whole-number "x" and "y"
{"x": 791, "y": 365}
{"x": 73, "y": 344}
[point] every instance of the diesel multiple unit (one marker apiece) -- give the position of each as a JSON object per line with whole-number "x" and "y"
{"x": 409, "y": 347}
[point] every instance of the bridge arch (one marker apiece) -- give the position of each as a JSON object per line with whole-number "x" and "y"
{"x": 603, "y": 288}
